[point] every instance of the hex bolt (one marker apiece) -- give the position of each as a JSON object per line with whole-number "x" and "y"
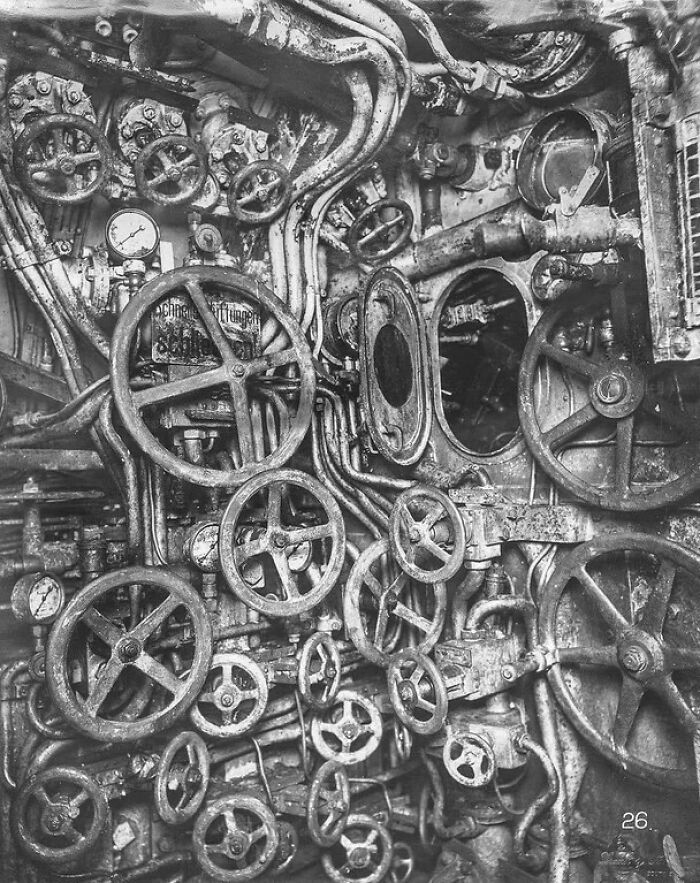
{"x": 103, "y": 27}
{"x": 15, "y": 101}
{"x": 634, "y": 659}
{"x": 43, "y": 87}
{"x": 73, "y": 96}
{"x": 149, "y": 111}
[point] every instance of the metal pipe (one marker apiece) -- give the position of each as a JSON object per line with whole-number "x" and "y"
{"x": 541, "y": 803}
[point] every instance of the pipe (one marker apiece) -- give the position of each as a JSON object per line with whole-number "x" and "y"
{"x": 9, "y": 673}
{"x": 541, "y": 803}
{"x": 544, "y": 705}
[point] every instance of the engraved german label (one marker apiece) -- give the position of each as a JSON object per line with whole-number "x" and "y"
{"x": 179, "y": 335}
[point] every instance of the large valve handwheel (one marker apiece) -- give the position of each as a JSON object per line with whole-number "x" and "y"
{"x": 171, "y": 170}
{"x": 58, "y": 815}
{"x": 381, "y": 230}
{"x": 182, "y": 778}
{"x": 380, "y": 600}
{"x": 233, "y": 375}
{"x": 233, "y": 699}
{"x": 604, "y": 615}
{"x": 350, "y": 731}
{"x": 319, "y": 672}
{"x": 259, "y": 192}
{"x": 282, "y": 592}
{"x": 363, "y": 854}
{"x": 329, "y": 803}
{"x": 427, "y": 534}
{"x": 126, "y": 655}
{"x": 62, "y": 158}
{"x": 469, "y": 759}
{"x": 417, "y": 692}
{"x": 235, "y": 838}
{"x": 638, "y": 420}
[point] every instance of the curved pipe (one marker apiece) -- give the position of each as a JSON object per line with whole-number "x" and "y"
{"x": 541, "y": 803}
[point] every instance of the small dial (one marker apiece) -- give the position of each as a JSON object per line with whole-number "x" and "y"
{"x": 38, "y": 598}
{"x": 202, "y": 546}
{"x": 132, "y": 234}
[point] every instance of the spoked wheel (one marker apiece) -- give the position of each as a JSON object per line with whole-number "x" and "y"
{"x": 278, "y": 586}
{"x": 618, "y": 615}
{"x": 235, "y": 838}
{"x": 260, "y": 192}
{"x": 329, "y": 803}
{"x": 158, "y": 397}
{"x": 363, "y": 854}
{"x": 319, "y": 671}
{"x": 417, "y": 692}
{"x": 182, "y": 778}
{"x": 171, "y": 170}
{"x": 96, "y": 653}
{"x": 381, "y": 602}
{"x": 58, "y": 815}
{"x": 233, "y": 699}
{"x": 628, "y": 436}
{"x": 349, "y": 731}
{"x": 381, "y": 230}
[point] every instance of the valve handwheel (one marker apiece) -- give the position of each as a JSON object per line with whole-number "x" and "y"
{"x": 402, "y": 863}
{"x": 363, "y": 853}
{"x": 282, "y": 592}
{"x": 375, "y": 612}
{"x": 171, "y": 170}
{"x": 605, "y": 611}
{"x": 417, "y": 692}
{"x": 235, "y": 838}
{"x": 350, "y": 731}
{"x": 427, "y": 534}
{"x": 233, "y": 699}
{"x": 130, "y": 654}
{"x": 182, "y": 778}
{"x": 319, "y": 671}
{"x": 58, "y": 815}
{"x": 381, "y": 230}
{"x": 329, "y": 803}
{"x": 638, "y": 418}
{"x": 138, "y": 408}
{"x": 62, "y": 158}
{"x": 469, "y": 759}
{"x": 259, "y": 192}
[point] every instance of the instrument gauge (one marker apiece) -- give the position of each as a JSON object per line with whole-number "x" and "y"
{"x": 132, "y": 235}
{"x": 202, "y": 546}
{"x": 38, "y": 598}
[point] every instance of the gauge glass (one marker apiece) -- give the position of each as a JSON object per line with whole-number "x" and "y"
{"x": 45, "y": 598}
{"x": 132, "y": 234}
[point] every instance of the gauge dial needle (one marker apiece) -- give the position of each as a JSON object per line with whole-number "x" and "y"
{"x": 131, "y": 235}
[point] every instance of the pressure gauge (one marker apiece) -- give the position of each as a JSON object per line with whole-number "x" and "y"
{"x": 37, "y": 598}
{"x": 132, "y": 234}
{"x": 201, "y": 546}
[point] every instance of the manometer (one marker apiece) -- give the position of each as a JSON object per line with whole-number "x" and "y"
{"x": 132, "y": 234}
{"x": 202, "y": 546}
{"x": 37, "y": 598}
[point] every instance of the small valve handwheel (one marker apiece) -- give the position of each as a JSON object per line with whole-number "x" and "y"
{"x": 402, "y": 863}
{"x": 58, "y": 815}
{"x": 381, "y": 230}
{"x": 127, "y": 658}
{"x": 376, "y": 613}
{"x": 233, "y": 699}
{"x": 235, "y": 838}
{"x": 427, "y": 534}
{"x": 403, "y": 740}
{"x": 259, "y": 192}
{"x": 363, "y": 853}
{"x": 171, "y": 170}
{"x": 182, "y": 778}
{"x": 615, "y": 614}
{"x": 319, "y": 671}
{"x": 282, "y": 592}
{"x": 62, "y": 158}
{"x": 329, "y": 803}
{"x": 417, "y": 692}
{"x": 234, "y": 374}
{"x": 350, "y": 731}
{"x": 469, "y": 759}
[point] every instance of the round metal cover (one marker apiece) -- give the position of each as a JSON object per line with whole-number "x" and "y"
{"x": 394, "y": 368}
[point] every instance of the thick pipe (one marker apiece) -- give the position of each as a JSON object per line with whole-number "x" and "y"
{"x": 539, "y": 805}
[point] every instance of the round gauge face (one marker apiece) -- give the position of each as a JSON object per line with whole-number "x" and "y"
{"x": 204, "y": 547}
{"x": 45, "y": 598}
{"x": 132, "y": 234}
